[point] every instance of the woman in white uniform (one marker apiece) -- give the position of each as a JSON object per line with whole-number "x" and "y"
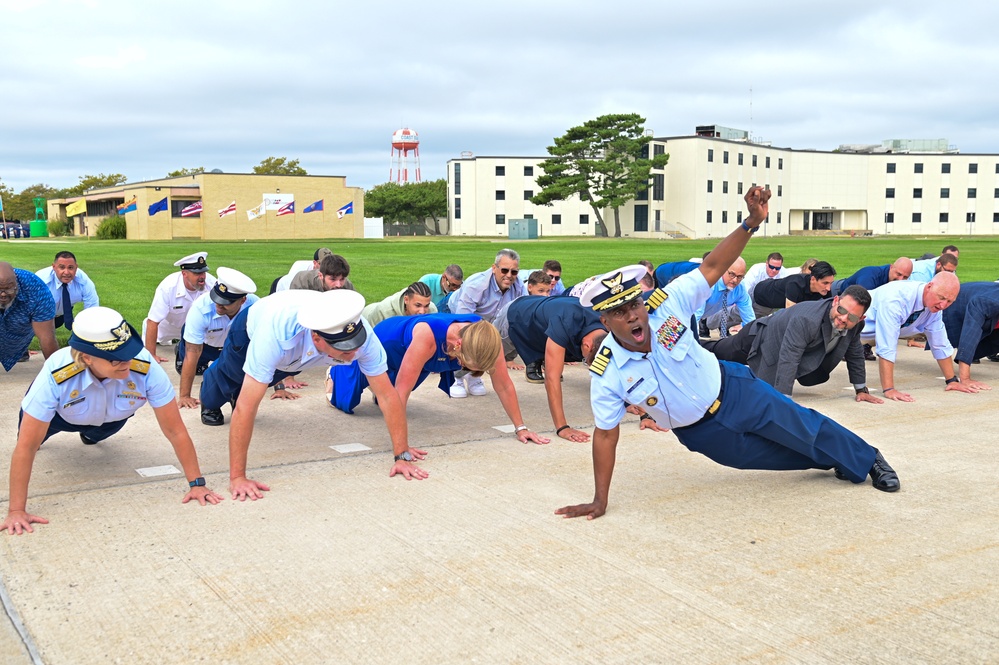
{"x": 92, "y": 387}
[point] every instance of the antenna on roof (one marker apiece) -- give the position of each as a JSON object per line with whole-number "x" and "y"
{"x": 750, "y": 113}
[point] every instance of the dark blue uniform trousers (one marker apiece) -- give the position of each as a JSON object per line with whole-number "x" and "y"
{"x": 209, "y": 354}
{"x": 757, "y": 427}
{"x": 92, "y": 432}
{"x": 222, "y": 381}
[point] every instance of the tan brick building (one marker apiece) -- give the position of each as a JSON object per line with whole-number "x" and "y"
{"x": 216, "y": 191}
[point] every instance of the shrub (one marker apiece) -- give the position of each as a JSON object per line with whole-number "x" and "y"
{"x": 58, "y": 227}
{"x": 112, "y": 228}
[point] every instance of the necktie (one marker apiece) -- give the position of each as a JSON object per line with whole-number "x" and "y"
{"x": 912, "y": 318}
{"x": 724, "y": 314}
{"x": 67, "y": 307}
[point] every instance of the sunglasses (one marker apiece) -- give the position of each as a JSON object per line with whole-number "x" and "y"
{"x": 511, "y": 271}
{"x": 773, "y": 267}
{"x": 853, "y": 318}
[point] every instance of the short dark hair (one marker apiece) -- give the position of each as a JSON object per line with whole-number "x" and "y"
{"x": 647, "y": 264}
{"x": 64, "y": 255}
{"x": 334, "y": 265}
{"x": 822, "y": 269}
{"x": 947, "y": 260}
{"x": 858, "y": 293}
{"x": 552, "y": 264}
{"x": 454, "y": 270}
{"x": 950, "y": 249}
{"x": 539, "y": 277}
{"x": 776, "y": 256}
{"x": 417, "y": 289}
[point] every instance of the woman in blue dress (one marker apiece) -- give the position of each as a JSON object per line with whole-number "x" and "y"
{"x": 418, "y": 346}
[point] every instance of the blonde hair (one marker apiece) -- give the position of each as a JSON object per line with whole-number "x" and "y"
{"x": 77, "y": 356}
{"x": 480, "y": 347}
{"x": 806, "y": 267}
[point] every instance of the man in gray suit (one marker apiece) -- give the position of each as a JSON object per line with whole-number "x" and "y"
{"x": 804, "y": 342}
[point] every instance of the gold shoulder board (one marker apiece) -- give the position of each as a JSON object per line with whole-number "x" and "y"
{"x": 657, "y": 298}
{"x": 66, "y": 372}
{"x": 139, "y": 366}
{"x": 599, "y": 364}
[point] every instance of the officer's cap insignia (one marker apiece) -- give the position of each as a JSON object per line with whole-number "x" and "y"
{"x": 222, "y": 288}
{"x": 350, "y": 328}
{"x": 614, "y": 283}
{"x": 121, "y": 335}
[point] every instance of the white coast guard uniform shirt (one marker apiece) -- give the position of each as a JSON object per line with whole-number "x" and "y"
{"x": 170, "y": 304}
{"x": 81, "y": 399}
{"x": 891, "y": 305}
{"x": 81, "y": 289}
{"x": 278, "y": 342}
{"x": 206, "y": 326}
{"x": 677, "y": 382}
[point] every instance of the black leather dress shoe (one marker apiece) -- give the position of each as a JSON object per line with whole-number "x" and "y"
{"x": 869, "y": 353}
{"x": 86, "y": 441}
{"x": 994, "y": 357}
{"x": 702, "y": 329}
{"x": 534, "y": 372}
{"x": 25, "y": 358}
{"x": 883, "y": 477}
{"x": 212, "y": 417}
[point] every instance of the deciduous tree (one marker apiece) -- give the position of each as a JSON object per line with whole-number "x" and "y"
{"x": 421, "y": 203}
{"x": 185, "y": 171}
{"x": 279, "y": 166}
{"x": 604, "y": 162}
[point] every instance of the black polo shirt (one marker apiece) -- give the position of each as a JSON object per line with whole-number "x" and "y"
{"x": 536, "y": 319}
{"x": 773, "y": 293}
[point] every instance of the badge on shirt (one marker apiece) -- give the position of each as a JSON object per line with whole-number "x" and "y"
{"x": 670, "y": 332}
{"x": 73, "y": 402}
{"x": 74, "y": 394}
{"x": 652, "y": 401}
{"x": 131, "y": 385}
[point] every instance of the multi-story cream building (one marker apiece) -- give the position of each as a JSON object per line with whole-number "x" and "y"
{"x": 257, "y": 215}
{"x": 868, "y": 190}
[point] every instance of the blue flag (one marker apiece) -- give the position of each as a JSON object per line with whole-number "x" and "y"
{"x": 346, "y": 210}
{"x": 158, "y": 206}
{"x": 317, "y": 206}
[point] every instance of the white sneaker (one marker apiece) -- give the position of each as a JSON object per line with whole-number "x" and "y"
{"x": 329, "y": 388}
{"x": 475, "y": 386}
{"x": 458, "y": 389}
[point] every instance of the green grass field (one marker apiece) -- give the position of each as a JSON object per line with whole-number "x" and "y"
{"x": 126, "y": 272}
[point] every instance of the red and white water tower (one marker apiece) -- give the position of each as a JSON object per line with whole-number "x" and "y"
{"x": 405, "y": 153}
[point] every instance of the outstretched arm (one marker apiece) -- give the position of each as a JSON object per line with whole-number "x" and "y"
{"x": 729, "y": 249}
{"x": 604, "y": 456}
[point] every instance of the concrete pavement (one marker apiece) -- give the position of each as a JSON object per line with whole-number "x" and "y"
{"x": 693, "y": 563}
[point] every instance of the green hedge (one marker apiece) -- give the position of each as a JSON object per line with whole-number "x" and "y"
{"x": 112, "y": 228}
{"x": 58, "y": 227}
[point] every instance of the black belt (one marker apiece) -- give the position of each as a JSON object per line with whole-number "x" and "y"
{"x": 715, "y": 406}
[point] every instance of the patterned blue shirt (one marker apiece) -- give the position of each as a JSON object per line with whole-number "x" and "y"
{"x": 33, "y": 303}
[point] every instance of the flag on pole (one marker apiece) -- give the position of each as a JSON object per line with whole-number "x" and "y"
{"x": 346, "y": 210}
{"x": 76, "y": 208}
{"x": 158, "y": 206}
{"x": 127, "y": 206}
{"x": 228, "y": 210}
{"x": 287, "y": 209}
{"x": 317, "y": 206}
{"x": 193, "y": 210}
{"x": 254, "y": 213}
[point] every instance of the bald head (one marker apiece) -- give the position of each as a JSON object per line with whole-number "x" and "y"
{"x": 940, "y": 292}
{"x": 6, "y": 270}
{"x": 901, "y": 269}
{"x": 735, "y": 273}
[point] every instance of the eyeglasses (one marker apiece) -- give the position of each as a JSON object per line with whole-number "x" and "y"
{"x": 770, "y": 267}
{"x": 451, "y": 285}
{"x": 735, "y": 276}
{"x": 119, "y": 363}
{"x": 853, "y": 318}
{"x": 8, "y": 289}
{"x": 512, "y": 271}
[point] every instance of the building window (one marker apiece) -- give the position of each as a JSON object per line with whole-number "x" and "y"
{"x": 709, "y": 216}
{"x": 996, "y": 193}
{"x": 710, "y": 186}
{"x": 501, "y": 195}
{"x": 457, "y": 179}
{"x": 501, "y": 219}
{"x": 658, "y": 149}
{"x": 778, "y": 218}
{"x": 724, "y": 186}
{"x": 891, "y": 167}
{"x": 724, "y": 216}
{"x": 917, "y": 193}
{"x": 740, "y": 159}
{"x": 584, "y": 219}
{"x": 754, "y": 160}
{"x": 890, "y": 193}
{"x": 556, "y": 219}
{"x": 918, "y": 168}
{"x": 529, "y": 170}
{"x": 945, "y": 168}
{"x": 738, "y": 217}
{"x": 711, "y": 158}
{"x": 972, "y": 192}
{"x": 645, "y": 151}
{"x": 767, "y": 163}
{"x": 995, "y": 218}
{"x": 972, "y": 168}
{"x": 457, "y": 208}
{"x": 970, "y": 218}
{"x": 738, "y": 189}
{"x": 944, "y": 217}
{"x": 917, "y": 217}
{"x": 658, "y": 187}
{"x": 889, "y": 218}
{"x": 642, "y": 194}
{"x": 725, "y": 157}
{"x": 780, "y": 190}
{"x": 528, "y": 216}
{"x": 528, "y": 194}
{"x": 780, "y": 163}
{"x": 177, "y": 206}
{"x": 500, "y": 170}
{"x": 945, "y": 192}
{"x": 641, "y": 218}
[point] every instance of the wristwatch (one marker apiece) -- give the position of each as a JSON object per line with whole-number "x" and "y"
{"x": 405, "y": 457}
{"x": 197, "y": 482}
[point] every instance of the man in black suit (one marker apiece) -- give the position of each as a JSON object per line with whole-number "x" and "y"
{"x": 804, "y": 342}
{"x": 972, "y": 324}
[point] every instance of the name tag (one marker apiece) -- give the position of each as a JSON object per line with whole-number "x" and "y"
{"x": 73, "y": 403}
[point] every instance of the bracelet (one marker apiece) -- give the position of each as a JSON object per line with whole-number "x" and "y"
{"x": 887, "y": 390}
{"x": 749, "y": 229}
{"x": 521, "y": 428}
{"x": 197, "y": 482}
{"x": 952, "y": 379}
{"x": 559, "y": 430}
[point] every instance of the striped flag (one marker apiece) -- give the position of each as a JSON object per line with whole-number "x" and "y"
{"x": 127, "y": 206}
{"x": 317, "y": 206}
{"x": 228, "y": 210}
{"x": 193, "y": 210}
{"x": 346, "y": 210}
{"x": 287, "y": 209}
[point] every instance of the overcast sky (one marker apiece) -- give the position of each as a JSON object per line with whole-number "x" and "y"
{"x": 143, "y": 88}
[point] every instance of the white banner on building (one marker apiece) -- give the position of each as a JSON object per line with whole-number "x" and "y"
{"x": 275, "y": 201}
